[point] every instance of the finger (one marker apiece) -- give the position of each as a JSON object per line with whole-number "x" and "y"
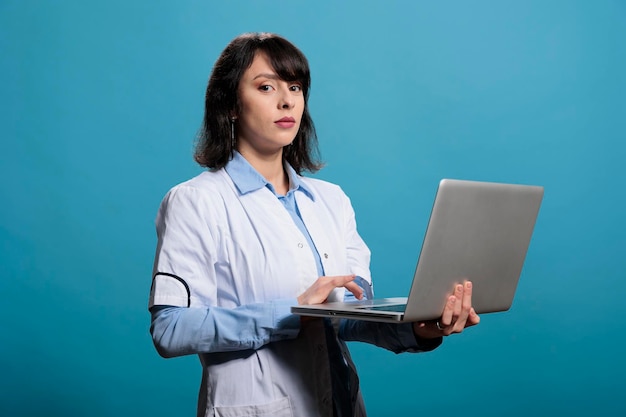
{"x": 341, "y": 280}
{"x": 467, "y": 296}
{"x": 322, "y": 287}
{"x": 354, "y": 288}
{"x": 458, "y": 305}
{"x": 473, "y": 318}
{"x": 466, "y": 306}
{"x": 448, "y": 312}
{"x": 462, "y": 307}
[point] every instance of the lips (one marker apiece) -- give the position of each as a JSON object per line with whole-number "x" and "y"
{"x": 286, "y": 122}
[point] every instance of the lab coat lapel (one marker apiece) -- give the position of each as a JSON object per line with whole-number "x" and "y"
{"x": 314, "y": 221}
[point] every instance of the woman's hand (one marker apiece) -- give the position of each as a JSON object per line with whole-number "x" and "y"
{"x": 323, "y": 286}
{"x": 457, "y": 315}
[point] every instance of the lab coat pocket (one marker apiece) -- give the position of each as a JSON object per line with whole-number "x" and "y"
{"x": 278, "y": 408}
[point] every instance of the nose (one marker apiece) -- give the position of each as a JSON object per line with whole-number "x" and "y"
{"x": 286, "y": 100}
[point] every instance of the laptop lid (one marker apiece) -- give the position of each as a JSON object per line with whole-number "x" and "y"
{"x": 478, "y": 231}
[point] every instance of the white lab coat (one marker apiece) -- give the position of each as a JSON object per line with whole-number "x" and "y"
{"x": 220, "y": 248}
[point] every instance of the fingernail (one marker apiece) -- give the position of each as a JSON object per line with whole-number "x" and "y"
{"x": 468, "y": 284}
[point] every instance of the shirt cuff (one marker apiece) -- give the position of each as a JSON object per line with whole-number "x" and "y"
{"x": 415, "y": 344}
{"x": 286, "y": 325}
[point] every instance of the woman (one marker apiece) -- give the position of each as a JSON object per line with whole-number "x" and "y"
{"x": 242, "y": 242}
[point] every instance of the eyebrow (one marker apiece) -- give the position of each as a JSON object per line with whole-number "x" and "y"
{"x": 267, "y": 75}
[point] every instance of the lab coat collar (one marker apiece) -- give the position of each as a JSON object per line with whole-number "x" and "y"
{"x": 247, "y": 179}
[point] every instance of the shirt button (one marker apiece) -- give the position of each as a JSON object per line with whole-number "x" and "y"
{"x": 300, "y": 245}
{"x": 325, "y": 256}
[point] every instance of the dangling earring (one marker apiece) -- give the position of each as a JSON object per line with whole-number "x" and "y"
{"x": 232, "y": 131}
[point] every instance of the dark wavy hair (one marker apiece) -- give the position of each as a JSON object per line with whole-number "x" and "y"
{"x": 214, "y": 147}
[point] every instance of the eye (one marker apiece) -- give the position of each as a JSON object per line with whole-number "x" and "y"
{"x": 265, "y": 88}
{"x": 295, "y": 87}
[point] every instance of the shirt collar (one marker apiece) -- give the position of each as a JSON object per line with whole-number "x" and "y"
{"x": 247, "y": 179}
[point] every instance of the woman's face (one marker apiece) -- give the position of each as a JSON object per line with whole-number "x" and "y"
{"x": 270, "y": 109}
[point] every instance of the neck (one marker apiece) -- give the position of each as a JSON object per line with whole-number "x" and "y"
{"x": 270, "y": 166}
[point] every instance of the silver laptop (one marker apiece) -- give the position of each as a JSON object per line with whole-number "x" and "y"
{"x": 478, "y": 231}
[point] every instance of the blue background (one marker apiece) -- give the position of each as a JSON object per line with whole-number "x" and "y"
{"x": 101, "y": 102}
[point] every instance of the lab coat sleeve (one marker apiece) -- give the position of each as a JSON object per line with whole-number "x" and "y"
{"x": 358, "y": 254}
{"x": 186, "y": 316}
